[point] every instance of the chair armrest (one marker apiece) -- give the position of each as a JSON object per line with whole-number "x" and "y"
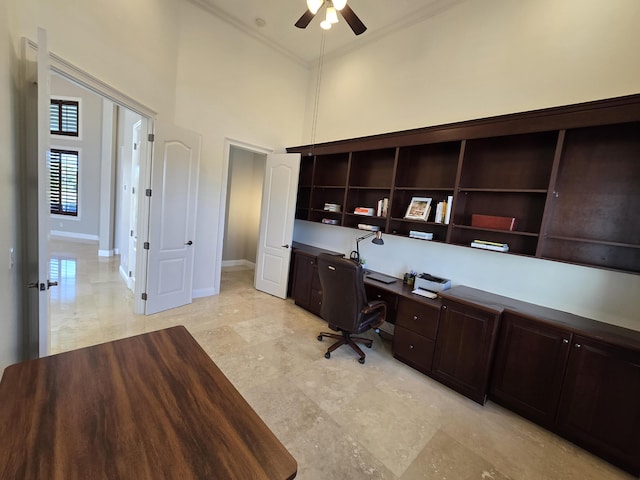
{"x": 376, "y": 305}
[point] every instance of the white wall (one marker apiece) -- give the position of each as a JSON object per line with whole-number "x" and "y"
{"x": 480, "y": 59}
{"x": 244, "y": 199}
{"x": 229, "y": 85}
{"x": 10, "y": 328}
{"x": 132, "y": 46}
{"x": 89, "y": 144}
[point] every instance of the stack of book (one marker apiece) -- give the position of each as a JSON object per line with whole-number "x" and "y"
{"x": 383, "y": 207}
{"x": 486, "y": 245}
{"x": 364, "y": 211}
{"x": 443, "y": 211}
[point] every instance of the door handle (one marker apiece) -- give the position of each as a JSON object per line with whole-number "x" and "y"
{"x": 285, "y": 246}
{"x": 51, "y": 284}
{"x": 189, "y": 243}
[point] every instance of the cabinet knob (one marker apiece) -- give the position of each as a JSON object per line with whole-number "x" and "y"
{"x": 415, "y": 317}
{"x": 410, "y": 347}
{"x": 578, "y": 345}
{"x": 444, "y": 307}
{"x": 565, "y": 340}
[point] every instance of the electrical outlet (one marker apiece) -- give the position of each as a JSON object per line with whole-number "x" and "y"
{"x": 11, "y": 259}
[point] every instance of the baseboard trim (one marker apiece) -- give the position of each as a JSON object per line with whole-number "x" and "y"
{"x": 203, "y": 292}
{"x": 105, "y": 253}
{"x": 238, "y": 263}
{"x": 73, "y": 235}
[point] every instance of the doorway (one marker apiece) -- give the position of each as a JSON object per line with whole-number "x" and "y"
{"x": 241, "y": 201}
{"x": 242, "y": 216}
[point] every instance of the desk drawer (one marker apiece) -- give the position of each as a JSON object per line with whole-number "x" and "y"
{"x": 418, "y": 317}
{"x": 413, "y": 349}
{"x": 375, "y": 293}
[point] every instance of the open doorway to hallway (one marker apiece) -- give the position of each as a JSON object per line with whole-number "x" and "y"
{"x": 243, "y": 206}
{"x": 108, "y": 170}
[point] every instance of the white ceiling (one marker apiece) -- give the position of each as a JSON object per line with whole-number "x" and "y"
{"x": 381, "y": 17}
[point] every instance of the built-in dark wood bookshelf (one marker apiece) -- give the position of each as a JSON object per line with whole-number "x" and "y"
{"x": 570, "y": 176}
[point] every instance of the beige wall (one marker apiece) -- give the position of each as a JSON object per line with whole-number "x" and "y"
{"x": 244, "y": 199}
{"x": 479, "y": 59}
{"x": 230, "y": 86}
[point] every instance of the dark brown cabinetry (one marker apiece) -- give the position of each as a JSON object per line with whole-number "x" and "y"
{"x": 529, "y": 367}
{"x": 306, "y": 290}
{"x": 600, "y": 401}
{"x": 415, "y": 333}
{"x": 575, "y": 376}
{"x": 464, "y": 348}
{"x": 568, "y": 175}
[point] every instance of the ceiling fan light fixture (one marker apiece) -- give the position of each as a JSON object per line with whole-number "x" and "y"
{"x": 325, "y": 25}
{"x": 314, "y": 5}
{"x": 332, "y": 15}
{"x": 339, "y": 4}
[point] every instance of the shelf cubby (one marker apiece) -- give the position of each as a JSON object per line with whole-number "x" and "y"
{"x": 372, "y": 168}
{"x": 331, "y": 170}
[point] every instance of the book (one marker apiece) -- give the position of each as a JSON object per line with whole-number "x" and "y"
{"x": 447, "y": 215}
{"x": 496, "y": 247}
{"x": 364, "y": 211}
{"x": 371, "y": 228}
{"x": 420, "y": 235}
{"x": 385, "y": 207}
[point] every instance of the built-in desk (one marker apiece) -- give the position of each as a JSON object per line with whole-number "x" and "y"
{"x": 150, "y": 406}
{"x": 573, "y": 375}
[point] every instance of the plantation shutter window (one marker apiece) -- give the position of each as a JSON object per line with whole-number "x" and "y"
{"x": 64, "y": 117}
{"x": 63, "y": 197}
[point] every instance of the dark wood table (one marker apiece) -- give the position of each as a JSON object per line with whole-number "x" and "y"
{"x": 152, "y": 406}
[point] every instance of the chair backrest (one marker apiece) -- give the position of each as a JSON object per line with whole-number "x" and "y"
{"x": 343, "y": 293}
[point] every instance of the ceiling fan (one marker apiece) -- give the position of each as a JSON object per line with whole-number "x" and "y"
{"x": 331, "y": 15}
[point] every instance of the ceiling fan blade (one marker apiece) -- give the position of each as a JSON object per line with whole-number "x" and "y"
{"x": 352, "y": 19}
{"x": 305, "y": 19}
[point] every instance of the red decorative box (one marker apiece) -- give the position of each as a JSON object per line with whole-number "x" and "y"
{"x": 491, "y": 221}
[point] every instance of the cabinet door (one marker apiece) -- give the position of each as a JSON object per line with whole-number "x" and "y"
{"x": 315, "y": 291}
{"x": 302, "y": 277}
{"x": 600, "y": 401}
{"x": 464, "y": 347}
{"x": 529, "y": 367}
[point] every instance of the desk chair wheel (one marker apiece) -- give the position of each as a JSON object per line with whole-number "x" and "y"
{"x": 368, "y": 345}
{"x": 361, "y": 360}
{"x": 327, "y": 355}
{"x": 319, "y": 338}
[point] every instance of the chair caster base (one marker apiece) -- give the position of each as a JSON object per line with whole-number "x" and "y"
{"x": 361, "y": 360}
{"x": 327, "y": 355}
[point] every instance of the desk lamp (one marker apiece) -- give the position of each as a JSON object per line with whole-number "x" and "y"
{"x": 355, "y": 254}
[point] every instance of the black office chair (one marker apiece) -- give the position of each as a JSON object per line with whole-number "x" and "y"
{"x": 344, "y": 303}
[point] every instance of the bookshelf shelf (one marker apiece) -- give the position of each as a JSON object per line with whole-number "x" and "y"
{"x": 568, "y": 175}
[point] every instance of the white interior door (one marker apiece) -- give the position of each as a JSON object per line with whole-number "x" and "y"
{"x": 276, "y": 223}
{"x": 133, "y": 209}
{"x": 36, "y": 191}
{"x": 172, "y": 217}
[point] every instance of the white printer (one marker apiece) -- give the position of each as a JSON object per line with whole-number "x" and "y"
{"x": 431, "y": 283}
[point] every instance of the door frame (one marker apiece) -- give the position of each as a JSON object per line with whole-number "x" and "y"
{"x": 75, "y": 74}
{"x": 229, "y": 143}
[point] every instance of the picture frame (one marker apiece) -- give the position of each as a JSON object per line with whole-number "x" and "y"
{"x": 418, "y": 208}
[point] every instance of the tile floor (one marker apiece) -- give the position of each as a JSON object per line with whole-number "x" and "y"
{"x": 339, "y": 419}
